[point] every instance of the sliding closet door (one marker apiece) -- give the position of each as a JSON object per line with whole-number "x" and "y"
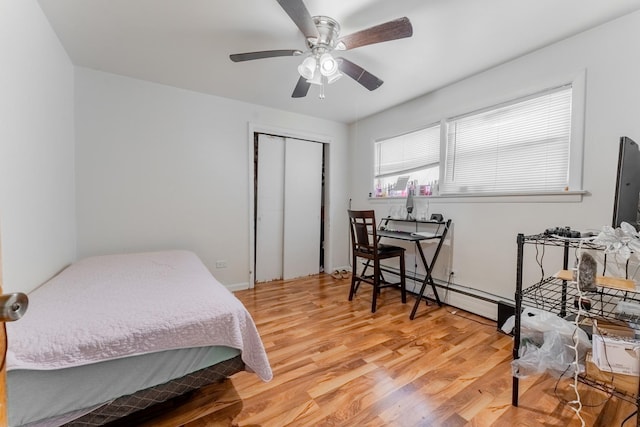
{"x": 270, "y": 209}
{"x": 302, "y": 204}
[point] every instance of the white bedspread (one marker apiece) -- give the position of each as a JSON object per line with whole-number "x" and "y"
{"x": 113, "y": 306}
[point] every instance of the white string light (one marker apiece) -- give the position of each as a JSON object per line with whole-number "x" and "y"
{"x": 576, "y": 405}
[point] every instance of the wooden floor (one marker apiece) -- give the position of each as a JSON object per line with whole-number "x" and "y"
{"x": 337, "y": 364}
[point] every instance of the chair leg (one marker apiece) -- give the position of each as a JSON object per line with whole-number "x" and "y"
{"x": 376, "y": 285}
{"x": 403, "y": 284}
{"x": 352, "y": 291}
{"x": 363, "y": 274}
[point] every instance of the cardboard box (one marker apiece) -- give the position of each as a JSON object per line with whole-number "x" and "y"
{"x": 611, "y": 328}
{"x": 616, "y": 354}
{"x": 626, "y": 383}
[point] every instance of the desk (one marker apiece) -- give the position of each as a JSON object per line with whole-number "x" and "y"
{"x": 439, "y": 235}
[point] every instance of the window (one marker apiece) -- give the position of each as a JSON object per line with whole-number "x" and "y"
{"x": 412, "y": 158}
{"x": 519, "y": 147}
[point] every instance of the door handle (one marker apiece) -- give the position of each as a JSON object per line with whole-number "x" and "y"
{"x": 13, "y": 306}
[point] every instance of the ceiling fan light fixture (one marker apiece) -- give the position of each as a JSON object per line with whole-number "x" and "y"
{"x": 328, "y": 65}
{"x": 307, "y": 68}
{"x": 316, "y": 79}
{"x": 333, "y": 77}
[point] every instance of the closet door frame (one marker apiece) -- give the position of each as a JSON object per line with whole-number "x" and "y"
{"x": 253, "y": 130}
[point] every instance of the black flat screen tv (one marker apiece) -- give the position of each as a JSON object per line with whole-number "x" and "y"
{"x": 627, "y": 196}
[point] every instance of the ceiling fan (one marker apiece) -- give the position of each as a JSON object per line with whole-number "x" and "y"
{"x": 323, "y": 37}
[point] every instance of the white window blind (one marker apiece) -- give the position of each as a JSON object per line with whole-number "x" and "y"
{"x": 407, "y": 153}
{"x": 514, "y": 148}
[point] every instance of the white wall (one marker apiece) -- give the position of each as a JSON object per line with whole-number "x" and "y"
{"x": 37, "y": 205}
{"x": 161, "y": 168}
{"x": 484, "y": 235}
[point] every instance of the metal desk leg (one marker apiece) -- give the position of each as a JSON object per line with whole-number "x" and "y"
{"x": 420, "y": 296}
{"x": 429, "y": 269}
{"x": 428, "y": 279}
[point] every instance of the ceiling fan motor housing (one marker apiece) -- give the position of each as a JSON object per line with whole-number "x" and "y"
{"x": 328, "y": 32}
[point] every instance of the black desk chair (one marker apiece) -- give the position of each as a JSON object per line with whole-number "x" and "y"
{"x": 364, "y": 243}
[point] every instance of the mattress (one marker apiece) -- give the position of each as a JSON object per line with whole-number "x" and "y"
{"x": 111, "y": 325}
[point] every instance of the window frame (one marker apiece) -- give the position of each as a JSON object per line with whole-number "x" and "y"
{"x": 500, "y": 112}
{"x": 375, "y": 166}
{"x": 574, "y": 191}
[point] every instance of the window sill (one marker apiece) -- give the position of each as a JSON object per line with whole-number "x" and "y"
{"x": 542, "y": 197}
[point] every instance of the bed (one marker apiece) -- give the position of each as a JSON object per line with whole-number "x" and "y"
{"x": 114, "y": 334}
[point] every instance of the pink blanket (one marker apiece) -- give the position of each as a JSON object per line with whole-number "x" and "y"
{"x": 114, "y": 306}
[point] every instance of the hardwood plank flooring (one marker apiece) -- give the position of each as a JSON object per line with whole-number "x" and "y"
{"x": 337, "y": 364}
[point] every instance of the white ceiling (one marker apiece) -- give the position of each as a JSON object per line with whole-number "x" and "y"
{"x": 186, "y": 44}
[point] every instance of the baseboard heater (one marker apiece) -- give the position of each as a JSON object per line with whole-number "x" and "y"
{"x": 505, "y": 308}
{"x": 464, "y": 290}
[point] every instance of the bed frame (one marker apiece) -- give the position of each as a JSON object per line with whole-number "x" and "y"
{"x": 124, "y": 409}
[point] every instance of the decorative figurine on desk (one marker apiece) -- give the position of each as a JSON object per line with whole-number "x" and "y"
{"x": 410, "y": 190}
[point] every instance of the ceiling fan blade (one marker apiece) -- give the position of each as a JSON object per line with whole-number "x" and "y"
{"x": 359, "y": 74}
{"x": 392, "y": 30}
{"x": 301, "y": 89}
{"x": 299, "y": 14}
{"x": 239, "y": 57}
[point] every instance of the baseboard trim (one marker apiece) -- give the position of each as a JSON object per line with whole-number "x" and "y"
{"x": 237, "y": 286}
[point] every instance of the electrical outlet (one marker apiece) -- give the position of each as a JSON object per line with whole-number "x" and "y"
{"x": 221, "y": 264}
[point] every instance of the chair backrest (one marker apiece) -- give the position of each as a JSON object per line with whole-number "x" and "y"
{"x": 363, "y": 231}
